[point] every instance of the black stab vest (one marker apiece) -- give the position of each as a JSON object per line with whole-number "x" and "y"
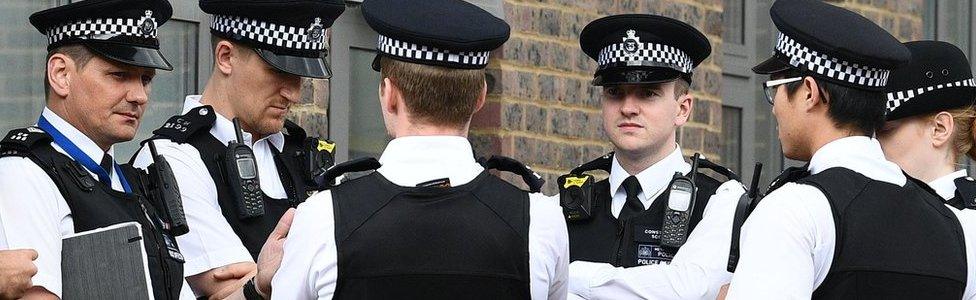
{"x": 632, "y": 242}
{"x": 253, "y": 232}
{"x": 94, "y": 205}
{"x": 463, "y": 242}
{"x": 892, "y": 242}
{"x": 193, "y": 128}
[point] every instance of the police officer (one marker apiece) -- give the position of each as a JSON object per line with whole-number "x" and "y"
{"x": 16, "y": 269}
{"x": 929, "y": 130}
{"x": 431, "y": 223}
{"x": 236, "y": 185}
{"x": 849, "y": 224}
{"x": 59, "y": 177}
{"x": 645, "y": 65}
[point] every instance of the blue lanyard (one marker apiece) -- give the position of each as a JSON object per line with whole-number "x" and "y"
{"x": 81, "y": 157}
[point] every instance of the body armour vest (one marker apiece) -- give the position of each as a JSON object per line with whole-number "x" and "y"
{"x": 892, "y": 242}
{"x": 462, "y": 242}
{"x": 194, "y": 128}
{"x": 635, "y": 241}
{"x": 94, "y": 205}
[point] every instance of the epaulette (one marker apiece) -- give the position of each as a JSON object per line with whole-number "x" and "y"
{"x": 506, "y": 164}
{"x": 293, "y": 133}
{"x": 23, "y": 140}
{"x": 180, "y": 128}
{"x": 328, "y": 178}
{"x": 965, "y": 193}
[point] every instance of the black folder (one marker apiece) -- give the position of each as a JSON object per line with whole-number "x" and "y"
{"x": 105, "y": 263}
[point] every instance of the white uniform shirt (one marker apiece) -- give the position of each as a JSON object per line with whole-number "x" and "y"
{"x": 946, "y": 188}
{"x": 35, "y": 215}
{"x": 309, "y": 268}
{"x": 697, "y": 271}
{"x": 787, "y": 244}
{"x": 211, "y": 242}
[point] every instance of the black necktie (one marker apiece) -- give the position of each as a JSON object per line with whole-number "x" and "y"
{"x": 633, "y": 206}
{"x": 108, "y": 164}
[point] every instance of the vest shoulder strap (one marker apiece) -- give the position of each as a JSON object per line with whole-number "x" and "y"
{"x": 328, "y": 178}
{"x": 507, "y": 164}
{"x": 181, "y": 128}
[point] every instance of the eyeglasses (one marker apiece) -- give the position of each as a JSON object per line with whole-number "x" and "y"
{"x": 769, "y": 87}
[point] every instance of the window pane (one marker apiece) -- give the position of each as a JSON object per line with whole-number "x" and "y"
{"x": 23, "y": 52}
{"x": 367, "y": 134}
{"x": 178, "y": 42}
{"x": 733, "y": 15}
{"x": 732, "y": 138}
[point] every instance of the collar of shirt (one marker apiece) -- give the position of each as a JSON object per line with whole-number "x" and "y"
{"x": 80, "y": 139}
{"x": 945, "y": 186}
{"x": 223, "y": 128}
{"x": 860, "y": 154}
{"x": 653, "y": 179}
{"x": 410, "y": 160}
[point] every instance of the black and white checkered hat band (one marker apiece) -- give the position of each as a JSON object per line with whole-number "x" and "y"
{"x": 309, "y": 39}
{"x": 101, "y": 29}
{"x": 801, "y": 56}
{"x": 645, "y": 54}
{"x": 896, "y": 99}
{"x": 413, "y": 51}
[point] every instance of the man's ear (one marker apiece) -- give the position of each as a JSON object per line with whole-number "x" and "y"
{"x": 60, "y": 69}
{"x": 809, "y": 91}
{"x": 942, "y": 126}
{"x": 481, "y": 98}
{"x": 685, "y": 105}
{"x": 389, "y": 96}
{"x": 224, "y": 55}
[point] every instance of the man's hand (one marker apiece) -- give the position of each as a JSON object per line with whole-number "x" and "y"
{"x": 723, "y": 292}
{"x": 270, "y": 257}
{"x": 16, "y": 269}
{"x": 237, "y": 275}
{"x": 223, "y": 282}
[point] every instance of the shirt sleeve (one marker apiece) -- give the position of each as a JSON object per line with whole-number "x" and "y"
{"x": 211, "y": 242}
{"x": 786, "y": 246}
{"x": 548, "y": 249}
{"x": 35, "y": 216}
{"x": 309, "y": 266}
{"x": 697, "y": 271}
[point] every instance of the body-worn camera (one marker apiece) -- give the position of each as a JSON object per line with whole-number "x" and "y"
{"x": 241, "y": 174}
{"x": 319, "y": 156}
{"x": 576, "y": 189}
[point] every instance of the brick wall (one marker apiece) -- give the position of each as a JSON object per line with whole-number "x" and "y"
{"x": 902, "y": 18}
{"x": 541, "y": 107}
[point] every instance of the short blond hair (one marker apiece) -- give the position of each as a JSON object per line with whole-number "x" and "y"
{"x": 436, "y": 95}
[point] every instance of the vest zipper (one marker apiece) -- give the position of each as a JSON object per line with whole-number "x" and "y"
{"x": 618, "y": 245}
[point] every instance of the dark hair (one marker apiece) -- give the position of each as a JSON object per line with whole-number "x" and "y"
{"x": 850, "y": 108}
{"x": 80, "y": 54}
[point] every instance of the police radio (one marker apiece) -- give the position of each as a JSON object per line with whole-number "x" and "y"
{"x": 576, "y": 189}
{"x": 241, "y": 174}
{"x": 681, "y": 204}
{"x": 166, "y": 193}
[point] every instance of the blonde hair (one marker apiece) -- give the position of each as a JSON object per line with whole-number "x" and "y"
{"x": 963, "y": 138}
